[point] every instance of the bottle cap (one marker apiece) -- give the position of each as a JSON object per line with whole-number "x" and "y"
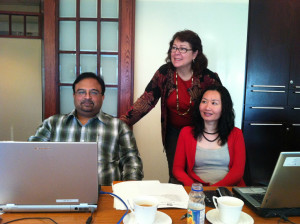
{"x": 197, "y": 187}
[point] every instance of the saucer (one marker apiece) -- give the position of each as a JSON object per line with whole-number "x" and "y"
{"x": 160, "y": 218}
{"x": 212, "y": 216}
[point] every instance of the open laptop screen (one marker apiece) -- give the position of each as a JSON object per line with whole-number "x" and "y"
{"x": 282, "y": 194}
{"x": 48, "y": 175}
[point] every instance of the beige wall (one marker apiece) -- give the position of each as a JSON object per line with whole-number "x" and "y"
{"x": 222, "y": 26}
{"x": 20, "y": 88}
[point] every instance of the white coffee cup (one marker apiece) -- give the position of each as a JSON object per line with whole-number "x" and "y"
{"x": 229, "y": 209}
{"x": 145, "y": 209}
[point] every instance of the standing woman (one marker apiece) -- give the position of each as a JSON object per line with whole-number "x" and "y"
{"x": 178, "y": 83}
{"x": 211, "y": 152}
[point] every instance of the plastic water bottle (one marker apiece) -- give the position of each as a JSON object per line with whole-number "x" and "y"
{"x": 196, "y": 205}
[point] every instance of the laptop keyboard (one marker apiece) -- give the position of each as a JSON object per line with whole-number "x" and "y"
{"x": 258, "y": 197}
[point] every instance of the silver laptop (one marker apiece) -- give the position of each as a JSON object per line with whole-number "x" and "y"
{"x": 48, "y": 176}
{"x": 282, "y": 196}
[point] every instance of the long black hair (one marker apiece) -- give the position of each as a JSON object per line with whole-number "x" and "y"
{"x": 200, "y": 62}
{"x": 226, "y": 120}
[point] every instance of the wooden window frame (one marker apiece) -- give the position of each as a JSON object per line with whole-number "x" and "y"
{"x": 24, "y": 14}
{"x": 126, "y": 21}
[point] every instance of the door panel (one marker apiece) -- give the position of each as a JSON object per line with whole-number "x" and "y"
{"x": 294, "y": 97}
{"x": 263, "y": 145}
{"x": 272, "y": 96}
{"x": 265, "y": 113}
{"x": 268, "y": 43}
{"x": 294, "y": 137}
{"x": 293, "y": 115}
{"x": 295, "y": 46}
{"x": 266, "y": 97}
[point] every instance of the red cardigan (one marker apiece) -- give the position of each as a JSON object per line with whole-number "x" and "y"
{"x": 185, "y": 159}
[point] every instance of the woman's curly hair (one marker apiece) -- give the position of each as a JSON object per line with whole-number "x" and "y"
{"x": 200, "y": 62}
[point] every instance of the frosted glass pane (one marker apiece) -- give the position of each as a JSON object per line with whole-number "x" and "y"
{"x": 67, "y": 8}
{"x": 67, "y": 68}
{"x": 88, "y": 36}
{"x": 109, "y": 36}
{"x": 88, "y": 63}
{"x": 32, "y": 26}
{"x": 4, "y": 28}
{"x": 110, "y": 102}
{"x": 67, "y": 35}
{"x": 88, "y": 8}
{"x": 109, "y": 69}
{"x": 17, "y": 26}
{"x": 66, "y": 99}
{"x": 110, "y": 9}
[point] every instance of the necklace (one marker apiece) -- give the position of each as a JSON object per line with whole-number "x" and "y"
{"x": 210, "y": 133}
{"x": 211, "y": 140}
{"x": 177, "y": 98}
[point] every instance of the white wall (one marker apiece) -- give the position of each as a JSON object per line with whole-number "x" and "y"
{"x": 20, "y": 88}
{"x": 222, "y": 27}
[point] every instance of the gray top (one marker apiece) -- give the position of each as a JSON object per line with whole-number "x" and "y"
{"x": 211, "y": 165}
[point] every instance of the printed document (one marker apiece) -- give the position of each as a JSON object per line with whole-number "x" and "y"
{"x": 168, "y": 195}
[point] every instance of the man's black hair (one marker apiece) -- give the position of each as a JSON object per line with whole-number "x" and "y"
{"x": 92, "y": 75}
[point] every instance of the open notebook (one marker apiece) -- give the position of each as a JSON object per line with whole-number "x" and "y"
{"x": 282, "y": 196}
{"x": 48, "y": 176}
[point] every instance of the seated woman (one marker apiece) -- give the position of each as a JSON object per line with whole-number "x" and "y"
{"x": 211, "y": 152}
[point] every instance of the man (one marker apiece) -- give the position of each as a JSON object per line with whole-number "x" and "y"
{"x": 118, "y": 156}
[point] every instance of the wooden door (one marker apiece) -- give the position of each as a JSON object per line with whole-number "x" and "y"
{"x": 272, "y": 97}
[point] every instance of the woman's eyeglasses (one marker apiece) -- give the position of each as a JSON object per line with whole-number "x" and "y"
{"x": 181, "y": 50}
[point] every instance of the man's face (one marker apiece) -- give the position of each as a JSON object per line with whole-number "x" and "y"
{"x": 88, "y": 97}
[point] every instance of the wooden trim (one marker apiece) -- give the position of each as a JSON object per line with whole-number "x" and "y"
{"x": 89, "y": 19}
{"x": 126, "y": 71}
{"x": 24, "y": 25}
{"x": 24, "y": 14}
{"x": 10, "y": 25}
{"x": 18, "y": 13}
{"x": 51, "y": 97}
{"x": 77, "y": 72}
{"x": 23, "y": 37}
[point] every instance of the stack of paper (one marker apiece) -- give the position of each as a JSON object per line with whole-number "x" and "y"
{"x": 168, "y": 195}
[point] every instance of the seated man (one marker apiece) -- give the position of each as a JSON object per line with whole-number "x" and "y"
{"x": 118, "y": 156}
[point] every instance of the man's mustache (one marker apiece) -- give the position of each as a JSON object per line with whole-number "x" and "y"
{"x": 87, "y": 101}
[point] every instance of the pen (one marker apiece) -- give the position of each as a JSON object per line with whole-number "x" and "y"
{"x": 184, "y": 216}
